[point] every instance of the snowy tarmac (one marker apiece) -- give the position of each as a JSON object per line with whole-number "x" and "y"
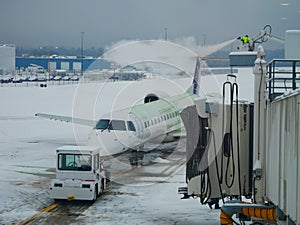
{"x": 145, "y": 193}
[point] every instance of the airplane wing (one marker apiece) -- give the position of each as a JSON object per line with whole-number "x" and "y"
{"x": 68, "y": 119}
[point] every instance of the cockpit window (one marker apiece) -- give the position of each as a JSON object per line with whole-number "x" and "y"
{"x": 131, "y": 126}
{"x": 111, "y": 124}
{"x": 117, "y": 125}
{"x": 102, "y": 124}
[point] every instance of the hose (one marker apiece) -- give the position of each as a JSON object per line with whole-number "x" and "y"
{"x": 233, "y": 91}
{"x": 205, "y": 183}
{"x": 238, "y": 137}
{"x": 205, "y": 188}
{"x": 217, "y": 166}
{"x": 230, "y": 153}
{"x": 259, "y": 101}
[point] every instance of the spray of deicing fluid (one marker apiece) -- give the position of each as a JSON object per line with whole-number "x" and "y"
{"x": 181, "y": 55}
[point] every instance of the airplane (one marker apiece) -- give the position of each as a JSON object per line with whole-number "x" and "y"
{"x": 132, "y": 128}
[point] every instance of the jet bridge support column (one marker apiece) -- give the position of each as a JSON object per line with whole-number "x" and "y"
{"x": 259, "y": 71}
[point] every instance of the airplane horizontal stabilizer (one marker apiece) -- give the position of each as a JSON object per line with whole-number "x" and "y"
{"x": 68, "y": 119}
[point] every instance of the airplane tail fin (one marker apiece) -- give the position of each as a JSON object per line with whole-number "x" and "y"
{"x": 194, "y": 89}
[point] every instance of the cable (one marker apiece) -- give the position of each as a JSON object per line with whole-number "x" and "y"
{"x": 233, "y": 91}
{"x": 205, "y": 187}
{"x": 217, "y": 165}
{"x": 238, "y": 136}
{"x": 205, "y": 184}
{"x": 230, "y": 153}
{"x": 259, "y": 100}
{"x": 264, "y": 35}
{"x": 254, "y": 195}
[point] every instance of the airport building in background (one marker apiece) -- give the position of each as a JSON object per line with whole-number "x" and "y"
{"x": 9, "y": 62}
{"x": 7, "y": 58}
{"x": 62, "y": 63}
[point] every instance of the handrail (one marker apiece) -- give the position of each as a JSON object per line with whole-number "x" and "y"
{"x": 282, "y": 76}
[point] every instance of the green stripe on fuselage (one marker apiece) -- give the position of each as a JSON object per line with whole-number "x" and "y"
{"x": 162, "y": 107}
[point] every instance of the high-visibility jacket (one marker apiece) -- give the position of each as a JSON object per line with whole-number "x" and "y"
{"x": 245, "y": 39}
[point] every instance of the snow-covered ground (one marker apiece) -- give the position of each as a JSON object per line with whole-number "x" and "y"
{"x": 27, "y": 146}
{"x": 158, "y": 203}
{"x": 27, "y": 158}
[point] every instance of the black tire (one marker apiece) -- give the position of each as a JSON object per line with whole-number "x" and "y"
{"x": 96, "y": 193}
{"x": 99, "y": 193}
{"x": 102, "y": 186}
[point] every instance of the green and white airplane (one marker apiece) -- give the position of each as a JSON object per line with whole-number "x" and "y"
{"x": 134, "y": 127}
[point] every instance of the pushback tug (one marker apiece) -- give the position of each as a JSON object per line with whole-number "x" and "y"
{"x": 79, "y": 174}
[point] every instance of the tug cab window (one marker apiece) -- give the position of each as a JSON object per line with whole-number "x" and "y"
{"x": 81, "y": 162}
{"x": 96, "y": 162}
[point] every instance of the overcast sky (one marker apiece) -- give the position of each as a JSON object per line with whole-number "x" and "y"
{"x": 33, "y": 23}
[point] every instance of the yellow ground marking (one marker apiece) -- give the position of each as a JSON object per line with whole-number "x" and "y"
{"x": 50, "y": 207}
{"x": 45, "y": 210}
{"x": 56, "y": 213}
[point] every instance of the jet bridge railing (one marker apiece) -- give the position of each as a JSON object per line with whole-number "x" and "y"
{"x": 284, "y": 75}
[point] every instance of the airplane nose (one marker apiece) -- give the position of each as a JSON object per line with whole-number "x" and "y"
{"x": 107, "y": 140}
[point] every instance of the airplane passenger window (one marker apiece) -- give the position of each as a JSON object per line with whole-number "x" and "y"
{"x": 102, "y": 124}
{"x": 117, "y": 125}
{"x": 131, "y": 126}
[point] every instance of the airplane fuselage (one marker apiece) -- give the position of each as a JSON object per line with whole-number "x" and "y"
{"x": 132, "y": 127}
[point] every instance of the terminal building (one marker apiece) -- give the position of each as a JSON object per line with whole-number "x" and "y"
{"x": 9, "y": 62}
{"x": 7, "y": 58}
{"x": 62, "y": 63}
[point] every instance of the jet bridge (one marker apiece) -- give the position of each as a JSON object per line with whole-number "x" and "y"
{"x": 240, "y": 150}
{"x": 219, "y": 149}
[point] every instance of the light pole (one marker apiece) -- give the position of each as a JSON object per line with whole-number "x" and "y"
{"x": 82, "y": 34}
{"x": 166, "y": 34}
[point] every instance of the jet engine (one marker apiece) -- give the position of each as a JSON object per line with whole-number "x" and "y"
{"x": 151, "y": 97}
